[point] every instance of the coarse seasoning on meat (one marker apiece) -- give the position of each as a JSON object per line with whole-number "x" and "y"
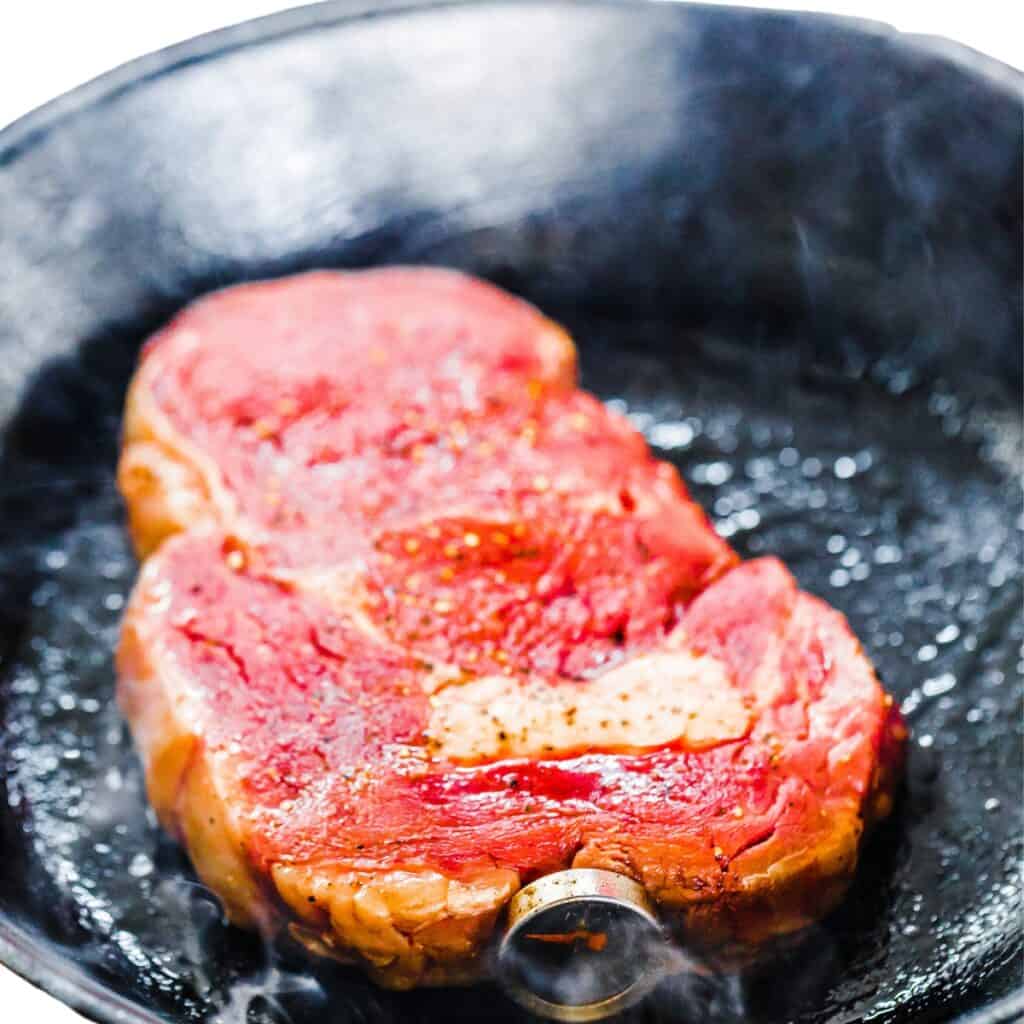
{"x": 420, "y": 622}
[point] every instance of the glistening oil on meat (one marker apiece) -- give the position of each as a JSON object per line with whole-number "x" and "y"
{"x": 420, "y": 622}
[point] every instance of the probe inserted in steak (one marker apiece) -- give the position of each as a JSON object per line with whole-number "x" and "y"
{"x": 437, "y": 624}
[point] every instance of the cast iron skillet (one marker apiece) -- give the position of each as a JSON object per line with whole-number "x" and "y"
{"x": 788, "y": 246}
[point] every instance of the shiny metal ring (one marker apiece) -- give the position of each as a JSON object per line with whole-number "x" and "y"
{"x": 581, "y": 945}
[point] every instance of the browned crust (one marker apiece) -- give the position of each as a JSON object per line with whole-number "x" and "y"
{"x": 182, "y": 783}
{"x": 164, "y": 487}
{"x": 407, "y": 927}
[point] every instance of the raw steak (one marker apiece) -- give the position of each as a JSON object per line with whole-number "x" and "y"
{"x": 438, "y": 623}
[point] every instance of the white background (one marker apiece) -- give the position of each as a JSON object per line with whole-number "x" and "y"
{"x": 48, "y": 48}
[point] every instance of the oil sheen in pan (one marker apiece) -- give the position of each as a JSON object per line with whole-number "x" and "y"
{"x": 897, "y": 503}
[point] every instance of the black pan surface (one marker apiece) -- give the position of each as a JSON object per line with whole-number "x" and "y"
{"x": 788, "y": 246}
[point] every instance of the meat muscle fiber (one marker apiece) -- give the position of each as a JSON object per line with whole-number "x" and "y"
{"x": 420, "y": 621}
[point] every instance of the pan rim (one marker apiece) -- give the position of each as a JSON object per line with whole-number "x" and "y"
{"x": 33, "y": 958}
{"x": 23, "y": 132}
